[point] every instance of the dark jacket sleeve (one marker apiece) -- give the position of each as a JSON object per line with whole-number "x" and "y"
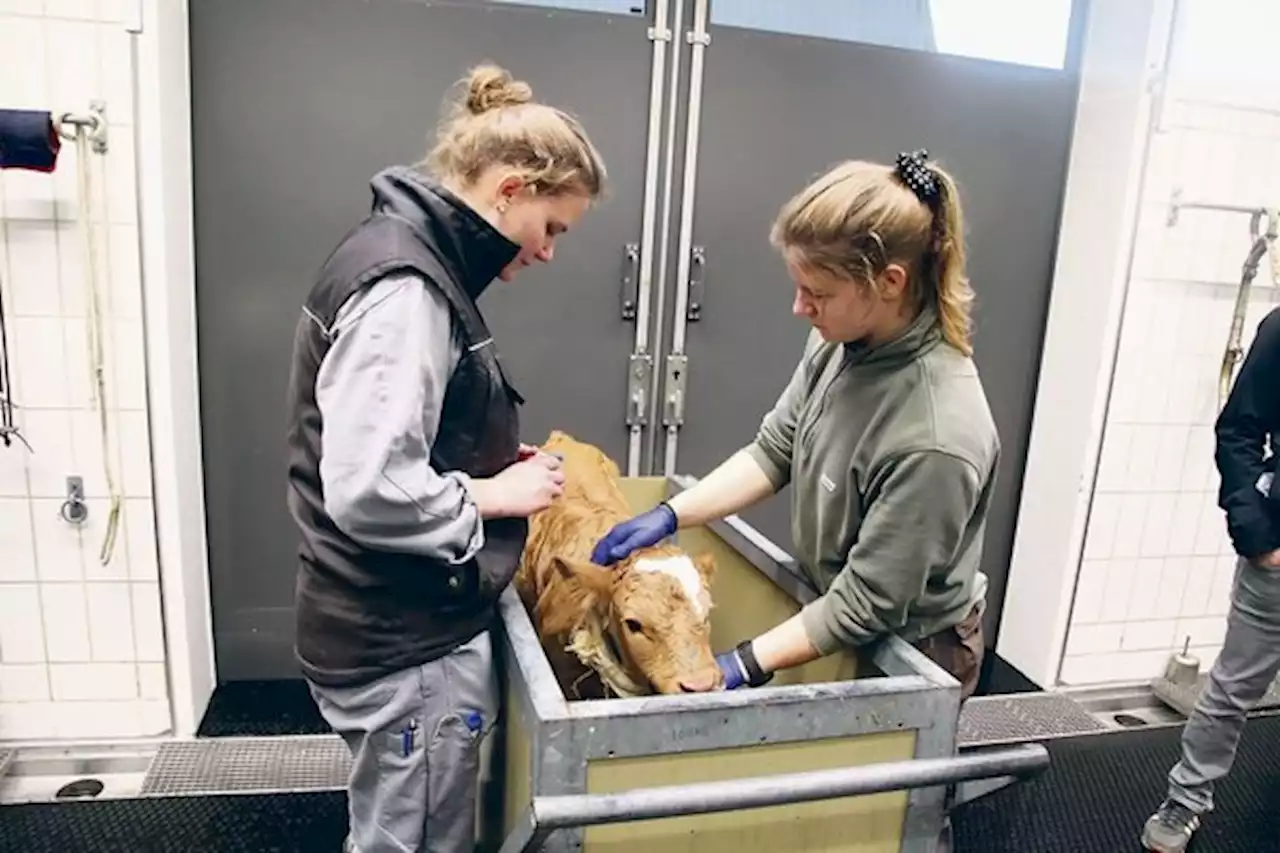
{"x": 1242, "y": 430}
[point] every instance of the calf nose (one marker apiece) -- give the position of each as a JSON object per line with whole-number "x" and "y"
{"x": 697, "y": 683}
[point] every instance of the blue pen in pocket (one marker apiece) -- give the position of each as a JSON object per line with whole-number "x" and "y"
{"x": 406, "y": 737}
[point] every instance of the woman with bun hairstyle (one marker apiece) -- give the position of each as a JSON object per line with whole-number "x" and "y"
{"x": 406, "y": 477}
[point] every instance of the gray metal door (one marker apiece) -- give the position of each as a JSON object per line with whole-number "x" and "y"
{"x": 776, "y": 111}
{"x": 297, "y": 103}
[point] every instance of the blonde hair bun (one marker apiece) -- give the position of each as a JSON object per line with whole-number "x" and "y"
{"x": 490, "y": 87}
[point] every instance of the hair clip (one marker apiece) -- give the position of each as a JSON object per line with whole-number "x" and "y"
{"x": 914, "y": 171}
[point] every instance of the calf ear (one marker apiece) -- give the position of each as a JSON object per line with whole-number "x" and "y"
{"x": 706, "y": 566}
{"x": 590, "y": 578}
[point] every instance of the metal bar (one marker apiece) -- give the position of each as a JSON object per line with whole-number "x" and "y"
{"x": 547, "y": 814}
{"x": 527, "y": 661}
{"x": 660, "y": 35}
{"x": 1224, "y": 208}
{"x": 668, "y": 189}
{"x": 698, "y": 37}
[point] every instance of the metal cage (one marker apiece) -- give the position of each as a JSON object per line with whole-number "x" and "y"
{"x": 851, "y": 752}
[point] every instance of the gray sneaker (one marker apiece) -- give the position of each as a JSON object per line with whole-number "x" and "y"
{"x": 1169, "y": 830}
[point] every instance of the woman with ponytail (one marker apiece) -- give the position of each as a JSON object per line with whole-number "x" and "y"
{"x": 884, "y": 430}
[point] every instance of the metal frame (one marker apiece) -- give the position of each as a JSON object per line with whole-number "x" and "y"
{"x": 914, "y": 694}
{"x": 548, "y": 814}
{"x": 677, "y": 375}
{"x": 641, "y": 357}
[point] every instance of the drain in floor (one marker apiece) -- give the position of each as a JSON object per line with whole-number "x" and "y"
{"x": 79, "y": 789}
{"x": 1130, "y": 721}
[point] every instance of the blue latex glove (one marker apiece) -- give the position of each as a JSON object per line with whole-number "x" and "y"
{"x": 646, "y": 529}
{"x": 735, "y": 674}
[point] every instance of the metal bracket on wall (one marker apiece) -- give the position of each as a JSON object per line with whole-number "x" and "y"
{"x": 697, "y": 283}
{"x": 639, "y": 371}
{"x": 630, "y": 280}
{"x": 673, "y": 404}
{"x": 659, "y": 34}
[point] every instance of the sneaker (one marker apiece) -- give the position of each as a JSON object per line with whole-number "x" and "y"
{"x": 1169, "y": 830}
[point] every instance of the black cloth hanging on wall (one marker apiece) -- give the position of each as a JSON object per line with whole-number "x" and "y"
{"x": 28, "y": 140}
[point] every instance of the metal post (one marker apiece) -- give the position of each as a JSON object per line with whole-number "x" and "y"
{"x": 668, "y": 188}
{"x": 547, "y": 814}
{"x": 699, "y": 38}
{"x": 660, "y": 34}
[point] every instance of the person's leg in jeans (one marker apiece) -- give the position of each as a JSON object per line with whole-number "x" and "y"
{"x": 1245, "y": 668}
{"x": 415, "y": 740}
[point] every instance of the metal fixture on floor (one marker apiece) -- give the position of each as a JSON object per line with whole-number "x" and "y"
{"x": 80, "y": 789}
{"x": 1184, "y": 668}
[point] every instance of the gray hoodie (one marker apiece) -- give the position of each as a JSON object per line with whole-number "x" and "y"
{"x": 891, "y": 452}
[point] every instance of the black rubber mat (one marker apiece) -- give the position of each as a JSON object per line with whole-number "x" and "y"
{"x": 999, "y": 677}
{"x": 1093, "y": 799}
{"x": 262, "y": 708}
{"x": 278, "y": 823}
{"x": 1099, "y": 790}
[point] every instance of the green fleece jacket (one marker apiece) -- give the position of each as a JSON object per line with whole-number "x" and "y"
{"x": 891, "y": 452}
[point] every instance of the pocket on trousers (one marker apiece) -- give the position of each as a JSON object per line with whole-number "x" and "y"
{"x": 453, "y": 763}
{"x": 401, "y": 784}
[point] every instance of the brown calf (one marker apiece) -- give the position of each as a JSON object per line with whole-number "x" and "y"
{"x": 638, "y": 627}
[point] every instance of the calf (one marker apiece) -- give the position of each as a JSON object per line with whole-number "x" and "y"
{"x": 639, "y": 627}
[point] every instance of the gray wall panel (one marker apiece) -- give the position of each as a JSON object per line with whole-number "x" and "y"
{"x": 778, "y": 110}
{"x": 296, "y": 104}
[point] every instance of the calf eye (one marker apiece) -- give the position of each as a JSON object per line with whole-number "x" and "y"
{"x": 633, "y": 625}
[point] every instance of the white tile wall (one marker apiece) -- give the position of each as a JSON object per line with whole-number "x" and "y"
{"x": 81, "y": 644}
{"x": 1158, "y": 564}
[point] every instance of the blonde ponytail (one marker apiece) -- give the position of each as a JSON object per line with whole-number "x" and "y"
{"x": 860, "y": 216}
{"x": 950, "y": 279}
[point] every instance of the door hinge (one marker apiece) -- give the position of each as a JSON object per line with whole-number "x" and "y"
{"x": 639, "y": 372}
{"x": 673, "y": 402}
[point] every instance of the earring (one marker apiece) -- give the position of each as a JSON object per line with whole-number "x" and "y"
{"x": 502, "y": 207}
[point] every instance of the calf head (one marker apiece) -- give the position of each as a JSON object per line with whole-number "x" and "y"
{"x": 656, "y": 606}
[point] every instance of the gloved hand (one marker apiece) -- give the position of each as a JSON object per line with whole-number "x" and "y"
{"x": 643, "y": 530}
{"x": 735, "y": 674}
{"x": 739, "y": 665}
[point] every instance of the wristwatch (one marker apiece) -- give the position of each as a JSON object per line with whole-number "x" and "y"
{"x": 756, "y": 677}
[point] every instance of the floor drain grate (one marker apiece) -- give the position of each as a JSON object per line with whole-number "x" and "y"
{"x": 1183, "y": 697}
{"x": 1024, "y": 717}
{"x": 259, "y": 764}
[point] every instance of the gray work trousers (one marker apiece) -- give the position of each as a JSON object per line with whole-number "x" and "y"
{"x": 415, "y": 740}
{"x": 1245, "y": 668}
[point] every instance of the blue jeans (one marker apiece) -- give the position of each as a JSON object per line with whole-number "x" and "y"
{"x": 1244, "y": 670}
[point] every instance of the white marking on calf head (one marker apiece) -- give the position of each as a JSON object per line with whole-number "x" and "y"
{"x": 685, "y": 572}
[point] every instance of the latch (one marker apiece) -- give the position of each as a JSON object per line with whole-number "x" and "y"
{"x": 697, "y": 284}
{"x": 639, "y": 372}
{"x": 673, "y": 403}
{"x": 630, "y": 282}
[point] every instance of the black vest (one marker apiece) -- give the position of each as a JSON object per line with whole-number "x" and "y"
{"x": 364, "y": 613}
